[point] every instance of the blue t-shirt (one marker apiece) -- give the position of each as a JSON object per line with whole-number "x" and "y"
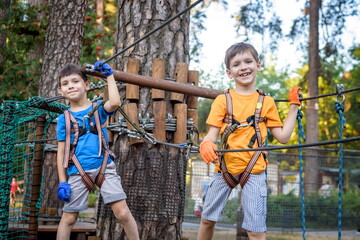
{"x": 87, "y": 148}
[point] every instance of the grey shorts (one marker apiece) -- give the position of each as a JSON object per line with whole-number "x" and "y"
{"x": 253, "y": 200}
{"x": 111, "y": 189}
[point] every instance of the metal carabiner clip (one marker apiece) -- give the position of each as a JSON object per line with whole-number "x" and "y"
{"x": 340, "y": 92}
{"x": 84, "y": 121}
{"x": 89, "y": 68}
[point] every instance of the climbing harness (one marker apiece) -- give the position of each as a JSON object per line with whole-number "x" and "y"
{"x": 232, "y": 125}
{"x": 70, "y": 157}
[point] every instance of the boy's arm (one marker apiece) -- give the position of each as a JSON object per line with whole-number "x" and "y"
{"x": 114, "y": 97}
{"x": 212, "y": 134}
{"x": 64, "y": 190}
{"x": 283, "y": 134}
{"x": 60, "y": 158}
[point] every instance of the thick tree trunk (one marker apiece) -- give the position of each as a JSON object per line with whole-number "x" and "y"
{"x": 63, "y": 42}
{"x": 4, "y": 6}
{"x": 312, "y": 115}
{"x": 62, "y": 46}
{"x": 36, "y": 52}
{"x": 153, "y": 177}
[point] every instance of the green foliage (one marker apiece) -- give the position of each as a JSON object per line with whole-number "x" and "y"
{"x": 98, "y": 42}
{"x": 92, "y": 199}
{"x": 320, "y": 212}
{"x": 24, "y": 30}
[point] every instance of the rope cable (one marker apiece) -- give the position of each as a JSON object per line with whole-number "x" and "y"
{"x": 301, "y": 137}
{"x": 321, "y": 96}
{"x": 344, "y": 140}
{"x": 339, "y": 107}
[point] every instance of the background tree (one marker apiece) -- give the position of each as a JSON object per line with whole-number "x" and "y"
{"x": 151, "y": 175}
{"x": 3, "y": 16}
{"x": 62, "y": 46}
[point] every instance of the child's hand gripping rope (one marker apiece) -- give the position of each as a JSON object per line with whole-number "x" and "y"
{"x": 294, "y": 95}
{"x": 104, "y": 69}
{"x": 207, "y": 151}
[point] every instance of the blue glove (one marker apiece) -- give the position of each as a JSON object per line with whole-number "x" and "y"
{"x": 64, "y": 191}
{"x": 104, "y": 69}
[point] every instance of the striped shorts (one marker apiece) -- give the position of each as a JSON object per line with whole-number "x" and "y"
{"x": 253, "y": 200}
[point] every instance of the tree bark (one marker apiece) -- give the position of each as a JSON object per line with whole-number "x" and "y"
{"x": 62, "y": 46}
{"x": 312, "y": 115}
{"x": 153, "y": 176}
{"x": 63, "y": 42}
{"x": 4, "y": 6}
{"x": 37, "y": 50}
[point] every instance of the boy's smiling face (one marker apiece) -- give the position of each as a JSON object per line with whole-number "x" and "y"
{"x": 243, "y": 68}
{"x": 73, "y": 87}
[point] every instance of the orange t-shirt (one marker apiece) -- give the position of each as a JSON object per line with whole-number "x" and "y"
{"x": 243, "y": 107}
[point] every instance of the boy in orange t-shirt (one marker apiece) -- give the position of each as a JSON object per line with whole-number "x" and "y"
{"x": 242, "y": 64}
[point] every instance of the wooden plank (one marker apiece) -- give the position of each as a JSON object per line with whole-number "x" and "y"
{"x": 159, "y": 111}
{"x": 158, "y": 71}
{"x": 180, "y": 112}
{"x": 131, "y": 110}
{"x": 181, "y": 76}
{"x": 132, "y": 91}
{"x": 193, "y": 78}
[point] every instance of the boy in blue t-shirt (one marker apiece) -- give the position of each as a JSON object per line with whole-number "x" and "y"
{"x": 73, "y": 85}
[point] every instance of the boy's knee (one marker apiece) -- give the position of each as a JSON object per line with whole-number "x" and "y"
{"x": 256, "y": 235}
{"x": 122, "y": 214}
{"x": 208, "y": 223}
{"x": 121, "y": 210}
{"x": 69, "y": 218}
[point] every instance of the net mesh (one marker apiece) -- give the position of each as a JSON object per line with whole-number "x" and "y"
{"x": 155, "y": 199}
{"x": 284, "y": 202}
{"x": 17, "y": 135}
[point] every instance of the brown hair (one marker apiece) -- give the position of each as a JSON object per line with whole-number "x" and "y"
{"x": 70, "y": 69}
{"x": 239, "y": 48}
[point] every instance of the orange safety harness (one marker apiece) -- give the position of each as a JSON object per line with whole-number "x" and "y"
{"x": 232, "y": 125}
{"x": 72, "y": 126}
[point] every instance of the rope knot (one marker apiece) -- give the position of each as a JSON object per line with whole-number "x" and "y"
{"x": 339, "y": 107}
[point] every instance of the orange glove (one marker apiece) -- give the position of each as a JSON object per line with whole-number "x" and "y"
{"x": 294, "y": 95}
{"x": 207, "y": 152}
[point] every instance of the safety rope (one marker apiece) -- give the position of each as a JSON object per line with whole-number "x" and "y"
{"x": 322, "y": 96}
{"x": 339, "y": 107}
{"x": 330, "y": 142}
{"x": 301, "y": 137}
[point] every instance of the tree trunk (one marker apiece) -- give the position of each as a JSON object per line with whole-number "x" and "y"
{"x": 4, "y": 7}
{"x": 36, "y": 52}
{"x": 62, "y": 46}
{"x": 63, "y": 42}
{"x": 153, "y": 176}
{"x": 312, "y": 115}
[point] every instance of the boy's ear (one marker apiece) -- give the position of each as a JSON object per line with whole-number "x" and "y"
{"x": 59, "y": 91}
{"x": 259, "y": 65}
{"x": 229, "y": 73}
{"x": 87, "y": 85}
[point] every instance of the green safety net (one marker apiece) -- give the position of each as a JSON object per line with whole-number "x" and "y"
{"x": 17, "y": 135}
